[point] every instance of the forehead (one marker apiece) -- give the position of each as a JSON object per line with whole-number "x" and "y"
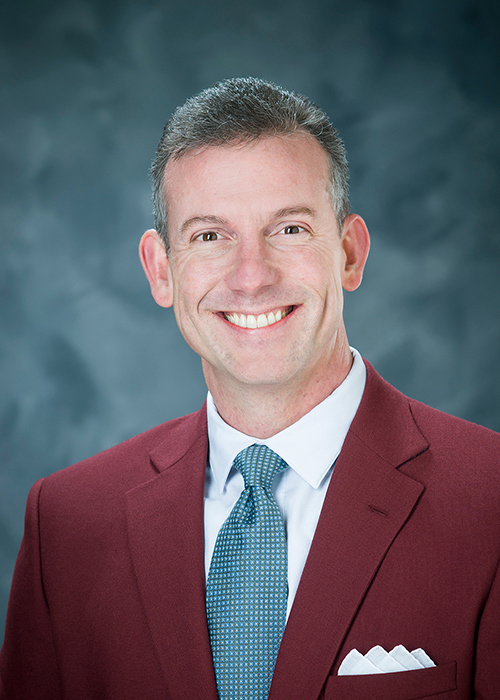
{"x": 266, "y": 166}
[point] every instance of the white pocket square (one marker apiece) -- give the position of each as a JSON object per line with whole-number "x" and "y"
{"x": 378, "y": 660}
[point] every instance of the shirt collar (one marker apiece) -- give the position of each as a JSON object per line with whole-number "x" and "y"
{"x": 310, "y": 446}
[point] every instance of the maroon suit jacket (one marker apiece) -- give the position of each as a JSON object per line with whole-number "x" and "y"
{"x": 108, "y": 603}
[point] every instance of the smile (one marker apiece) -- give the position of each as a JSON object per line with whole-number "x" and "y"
{"x": 260, "y": 321}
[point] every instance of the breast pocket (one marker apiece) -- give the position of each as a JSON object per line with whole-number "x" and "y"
{"x": 403, "y": 685}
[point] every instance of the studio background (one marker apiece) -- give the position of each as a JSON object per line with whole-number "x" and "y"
{"x": 87, "y": 358}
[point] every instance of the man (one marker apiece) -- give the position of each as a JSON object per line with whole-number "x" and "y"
{"x": 167, "y": 566}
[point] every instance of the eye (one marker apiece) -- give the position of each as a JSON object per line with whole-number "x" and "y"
{"x": 208, "y": 236}
{"x": 292, "y": 229}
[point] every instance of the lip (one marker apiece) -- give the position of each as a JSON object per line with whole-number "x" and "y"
{"x": 258, "y": 320}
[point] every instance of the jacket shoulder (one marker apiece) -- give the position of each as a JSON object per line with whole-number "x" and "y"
{"x": 389, "y": 412}
{"x": 455, "y": 434}
{"x": 400, "y": 428}
{"x": 129, "y": 463}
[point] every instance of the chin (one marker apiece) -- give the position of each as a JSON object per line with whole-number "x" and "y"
{"x": 258, "y": 377}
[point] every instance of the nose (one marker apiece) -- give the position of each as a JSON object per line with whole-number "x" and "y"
{"x": 252, "y": 268}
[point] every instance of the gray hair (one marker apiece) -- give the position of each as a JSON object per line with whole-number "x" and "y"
{"x": 246, "y": 109}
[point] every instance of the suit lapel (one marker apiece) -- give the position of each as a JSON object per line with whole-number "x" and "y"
{"x": 367, "y": 503}
{"x": 165, "y": 526}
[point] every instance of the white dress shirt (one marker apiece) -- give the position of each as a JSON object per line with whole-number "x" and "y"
{"x": 310, "y": 447}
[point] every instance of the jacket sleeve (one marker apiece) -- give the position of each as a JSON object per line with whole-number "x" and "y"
{"x": 28, "y": 662}
{"x": 487, "y": 656}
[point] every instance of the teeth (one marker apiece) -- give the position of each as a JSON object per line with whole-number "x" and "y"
{"x": 261, "y": 321}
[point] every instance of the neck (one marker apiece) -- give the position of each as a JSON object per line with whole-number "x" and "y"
{"x": 264, "y": 410}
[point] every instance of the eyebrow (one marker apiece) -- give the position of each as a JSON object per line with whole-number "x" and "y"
{"x": 291, "y": 211}
{"x": 219, "y": 221}
{"x": 209, "y": 219}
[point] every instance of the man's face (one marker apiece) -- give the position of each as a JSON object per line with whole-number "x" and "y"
{"x": 257, "y": 263}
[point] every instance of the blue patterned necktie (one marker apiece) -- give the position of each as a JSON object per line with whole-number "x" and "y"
{"x": 247, "y": 583}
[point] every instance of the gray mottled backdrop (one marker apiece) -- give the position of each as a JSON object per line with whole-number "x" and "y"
{"x": 87, "y": 358}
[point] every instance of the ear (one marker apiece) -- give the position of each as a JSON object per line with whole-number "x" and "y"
{"x": 157, "y": 268}
{"x": 355, "y": 244}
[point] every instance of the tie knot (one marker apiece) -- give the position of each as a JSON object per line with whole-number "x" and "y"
{"x": 258, "y": 464}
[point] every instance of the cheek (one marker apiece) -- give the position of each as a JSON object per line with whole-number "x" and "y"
{"x": 319, "y": 272}
{"x": 191, "y": 286}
